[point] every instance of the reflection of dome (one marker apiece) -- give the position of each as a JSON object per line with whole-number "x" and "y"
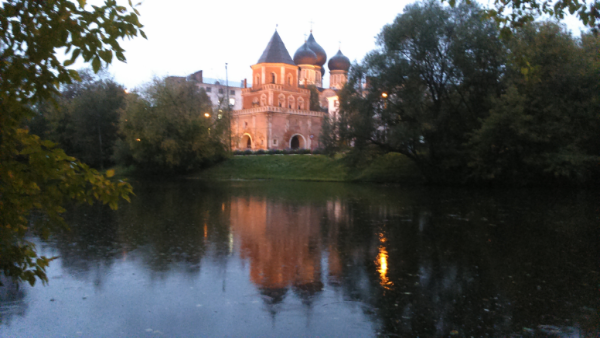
{"x": 314, "y": 46}
{"x": 307, "y": 291}
{"x": 272, "y": 296}
{"x": 339, "y": 62}
{"x": 305, "y": 56}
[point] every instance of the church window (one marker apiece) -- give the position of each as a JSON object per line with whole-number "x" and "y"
{"x": 208, "y": 89}
{"x": 291, "y": 102}
{"x": 273, "y": 78}
{"x": 275, "y": 142}
{"x": 257, "y": 80}
{"x": 245, "y": 124}
{"x": 300, "y": 103}
{"x": 290, "y": 80}
{"x": 281, "y": 100}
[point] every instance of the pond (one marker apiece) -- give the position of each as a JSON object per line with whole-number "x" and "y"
{"x": 301, "y": 259}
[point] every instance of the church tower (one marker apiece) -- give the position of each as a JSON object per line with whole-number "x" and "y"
{"x": 310, "y": 72}
{"x": 321, "y": 56}
{"x": 338, "y": 65}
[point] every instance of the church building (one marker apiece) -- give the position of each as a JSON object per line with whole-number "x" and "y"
{"x": 276, "y": 110}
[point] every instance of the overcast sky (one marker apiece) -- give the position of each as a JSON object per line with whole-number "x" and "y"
{"x": 185, "y": 36}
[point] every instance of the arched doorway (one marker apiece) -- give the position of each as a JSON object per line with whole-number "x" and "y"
{"x": 246, "y": 142}
{"x": 297, "y": 142}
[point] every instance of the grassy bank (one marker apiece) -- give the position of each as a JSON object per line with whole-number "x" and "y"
{"x": 392, "y": 167}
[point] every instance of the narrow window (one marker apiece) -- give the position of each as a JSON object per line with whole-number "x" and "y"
{"x": 273, "y": 78}
{"x": 220, "y": 90}
{"x": 232, "y": 92}
{"x": 208, "y": 89}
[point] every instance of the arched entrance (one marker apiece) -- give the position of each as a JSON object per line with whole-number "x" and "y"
{"x": 297, "y": 142}
{"x": 246, "y": 142}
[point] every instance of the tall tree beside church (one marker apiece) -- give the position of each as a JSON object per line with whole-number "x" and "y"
{"x": 314, "y": 98}
{"x": 170, "y": 127}
{"x": 546, "y": 125}
{"x": 428, "y": 84}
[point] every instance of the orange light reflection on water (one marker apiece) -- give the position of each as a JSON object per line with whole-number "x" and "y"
{"x": 382, "y": 261}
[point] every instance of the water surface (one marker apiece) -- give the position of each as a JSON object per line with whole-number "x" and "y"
{"x": 273, "y": 259}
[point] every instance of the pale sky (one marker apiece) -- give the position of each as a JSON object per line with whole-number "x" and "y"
{"x": 185, "y": 36}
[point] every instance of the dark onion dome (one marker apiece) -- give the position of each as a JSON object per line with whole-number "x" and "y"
{"x": 276, "y": 52}
{"x": 314, "y": 46}
{"x": 339, "y": 62}
{"x": 305, "y": 56}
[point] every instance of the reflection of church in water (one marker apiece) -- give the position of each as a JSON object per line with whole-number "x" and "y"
{"x": 285, "y": 247}
{"x": 276, "y": 110}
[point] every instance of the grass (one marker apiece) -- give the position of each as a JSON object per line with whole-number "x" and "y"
{"x": 393, "y": 168}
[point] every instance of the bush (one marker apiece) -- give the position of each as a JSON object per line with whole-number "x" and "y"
{"x": 247, "y": 152}
{"x": 303, "y": 151}
{"x": 273, "y": 151}
{"x": 260, "y": 152}
{"x": 318, "y": 151}
{"x": 238, "y": 152}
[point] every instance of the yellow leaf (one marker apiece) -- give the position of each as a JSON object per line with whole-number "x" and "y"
{"x": 110, "y": 173}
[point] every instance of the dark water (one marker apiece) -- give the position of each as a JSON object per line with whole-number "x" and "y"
{"x": 279, "y": 259}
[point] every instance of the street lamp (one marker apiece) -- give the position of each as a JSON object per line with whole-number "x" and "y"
{"x": 384, "y": 95}
{"x": 207, "y": 115}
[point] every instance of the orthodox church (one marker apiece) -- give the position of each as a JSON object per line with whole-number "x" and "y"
{"x": 276, "y": 110}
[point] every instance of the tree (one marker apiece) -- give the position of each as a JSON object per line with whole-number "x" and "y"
{"x": 427, "y": 86}
{"x": 329, "y": 136}
{"x": 517, "y": 13}
{"x": 85, "y": 122}
{"x": 36, "y": 177}
{"x": 170, "y": 127}
{"x": 314, "y": 98}
{"x": 545, "y": 126}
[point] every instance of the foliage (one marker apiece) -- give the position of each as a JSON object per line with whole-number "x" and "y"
{"x": 314, "y": 98}
{"x": 428, "y": 85}
{"x": 85, "y": 122}
{"x": 35, "y": 176}
{"x": 329, "y": 136}
{"x": 546, "y": 123}
{"x": 517, "y": 13}
{"x": 164, "y": 129}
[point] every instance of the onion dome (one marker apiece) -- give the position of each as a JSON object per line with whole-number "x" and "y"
{"x": 305, "y": 56}
{"x": 339, "y": 62}
{"x": 276, "y": 52}
{"x": 314, "y": 46}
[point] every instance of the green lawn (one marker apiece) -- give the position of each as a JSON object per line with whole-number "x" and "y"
{"x": 392, "y": 167}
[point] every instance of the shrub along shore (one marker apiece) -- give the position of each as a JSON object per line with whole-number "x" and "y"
{"x": 389, "y": 168}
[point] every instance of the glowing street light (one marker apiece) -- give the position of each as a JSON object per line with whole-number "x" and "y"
{"x": 384, "y": 95}
{"x": 207, "y": 115}
{"x": 137, "y": 139}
